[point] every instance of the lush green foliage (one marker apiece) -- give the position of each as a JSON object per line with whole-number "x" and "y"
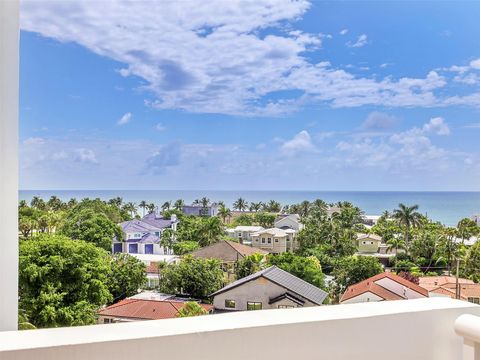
{"x": 305, "y": 268}
{"x": 194, "y": 277}
{"x": 126, "y": 277}
{"x": 191, "y": 308}
{"x": 62, "y": 282}
{"x": 90, "y": 225}
{"x": 185, "y": 247}
{"x": 249, "y": 265}
{"x": 203, "y": 230}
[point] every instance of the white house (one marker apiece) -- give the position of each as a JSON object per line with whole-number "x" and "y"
{"x": 243, "y": 233}
{"x": 143, "y": 236}
{"x": 291, "y": 221}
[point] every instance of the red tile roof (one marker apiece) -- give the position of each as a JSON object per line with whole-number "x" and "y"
{"x": 370, "y": 285}
{"x": 466, "y": 291}
{"x": 145, "y": 309}
{"x": 433, "y": 282}
{"x": 152, "y": 268}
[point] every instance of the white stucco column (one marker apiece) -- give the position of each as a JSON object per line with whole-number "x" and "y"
{"x": 9, "y": 68}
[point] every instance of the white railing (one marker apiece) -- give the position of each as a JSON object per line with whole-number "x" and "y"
{"x": 398, "y": 330}
{"x": 468, "y": 326}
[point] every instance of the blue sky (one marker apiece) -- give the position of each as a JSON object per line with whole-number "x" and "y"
{"x": 280, "y": 95}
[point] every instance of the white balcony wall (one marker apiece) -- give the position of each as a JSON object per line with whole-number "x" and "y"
{"x": 9, "y": 56}
{"x": 398, "y": 330}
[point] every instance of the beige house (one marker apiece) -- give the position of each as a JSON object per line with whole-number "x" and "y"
{"x": 368, "y": 243}
{"x": 446, "y": 286}
{"x": 274, "y": 240}
{"x": 272, "y": 288}
{"x": 243, "y": 234}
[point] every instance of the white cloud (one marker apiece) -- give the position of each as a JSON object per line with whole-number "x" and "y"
{"x": 377, "y": 120}
{"x": 34, "y": 141}
{"x": 475, "y": 64}
{"x": 85, "y": 156}
{"x": 361, "y": 41}
{"x": 302, "y": 142}
{"x": 437, "y": 126}
{"x": 343, "y": 32}
{"x": 160, "y": 127}
{"x": 225, "y": 63}
{"x": 125, "y": 119}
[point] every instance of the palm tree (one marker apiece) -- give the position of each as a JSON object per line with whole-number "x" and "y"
{"x": 466, "y": 228}
{"x": 38, "y": 203}
{"x": 151, "y": 208}
{"x": 395, "y": 244}
{"x": 22, "y": 204}
{"x": 166, "y": 205}
{"x": 224, "y": 212}
{"x": 117, "y": 202}
{"x": 408, "y": 217}
{"x": 131, "y": 208}
{"x": 205, "y": 201}
{"x": 143, "y": 205}
{"x": 179, "y": 204}
{"x": 240, "y": 204}
{"x": 71, "y": 203}
{"x": 273, "y": 206}
{"x": 255, "y": 206}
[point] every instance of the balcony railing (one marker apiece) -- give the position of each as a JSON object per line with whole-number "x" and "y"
{"x": 397, "y": 330}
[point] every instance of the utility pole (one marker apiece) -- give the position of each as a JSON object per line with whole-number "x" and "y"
{"x": 457, "y": 287}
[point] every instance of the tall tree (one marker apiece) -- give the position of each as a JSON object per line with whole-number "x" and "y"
{"x": 240, "y": 204}
{"x": 224, "y": 212}
{"x": 205, "y": 201}
{"x": 143, "y": 205}
{"x": 62, "y": 282}
{"x": 255, "y": 206}
{"x": 179, "y": 204}
{"x": 126, "y": 277}
{"x": 166, "y": 205}
{"x": 407, "y": 217}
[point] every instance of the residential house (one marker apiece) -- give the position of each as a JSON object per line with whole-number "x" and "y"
{"x": 144, "y": 306}
{"x": 275, "y": 240}
{"x": 446, "y": 286}
{"x": 383, "y": 287}
{"x": 228, "y": 252}
{"x": 243, "y": 233}
{"x": 289, "y": 221}
{"x": 200, "y": 210}
{"x": 152, "y": 263}
{"x": 142, "y": 236}
{"x": 368, "y": 243}
{"x": 272, "y": 288}
{"x": 476, "y": 218}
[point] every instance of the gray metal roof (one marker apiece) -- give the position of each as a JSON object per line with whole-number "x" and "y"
{"x": 284, "y": 279}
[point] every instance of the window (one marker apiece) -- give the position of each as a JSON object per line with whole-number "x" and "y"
{"x": 263, "y": 240}
{"x": 254, "y": 305}
{"x": 269, "y": 240}
{"x": 107, "y": 321}
{"x": 276, "y": 240}
{"x": 474, "y": 300}
{"x": 285, "y": 306}
{"x": 230, "y": 304}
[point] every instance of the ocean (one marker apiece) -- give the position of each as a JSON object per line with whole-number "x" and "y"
{"x": 446, "y": 207}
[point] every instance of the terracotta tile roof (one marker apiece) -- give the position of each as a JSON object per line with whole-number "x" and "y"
{"x": 370, "y": 285}
{"x": 227, "y": 251}
{"x": 466, "y": 291}
{"x": 433, "y": 282}
{"x": 152, "y": 268}
{"x": 145, "y": 309}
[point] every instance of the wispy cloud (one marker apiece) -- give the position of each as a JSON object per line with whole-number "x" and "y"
{"x": 360, "y": 42}
{"x": 125, "y": 119}
{"x": 301, "y": 142}
{"x": 343, "y": 32}
{"x": 210, "y": 73}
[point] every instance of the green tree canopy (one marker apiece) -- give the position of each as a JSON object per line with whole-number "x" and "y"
{"x": 62, "y": 282}
{"x": 194, "y": 277}
{"x": 305, "y": 268}
{"x": 92, "y": 226}
{"x": 249, "y": 265}
{"x": 127, "y": 276}
{"x": 191, "y": 308}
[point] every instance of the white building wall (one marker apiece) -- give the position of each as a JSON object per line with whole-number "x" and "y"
{"x": 9, "y": 60}
{"x": 362, "y": 298}
{"x": 417, "y": 330}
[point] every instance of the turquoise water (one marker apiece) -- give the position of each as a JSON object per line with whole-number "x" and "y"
{"x": 446, "y": 207}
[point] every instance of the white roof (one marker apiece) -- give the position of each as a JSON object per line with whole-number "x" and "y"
{"x": 468, "y": 242}
{"x": 151, "y": 295}
{"x": 369, "y": 236}
{"x": 156, "y": 258}
{"x": 248, "y": 228}
{"x": 271, "y": 231}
